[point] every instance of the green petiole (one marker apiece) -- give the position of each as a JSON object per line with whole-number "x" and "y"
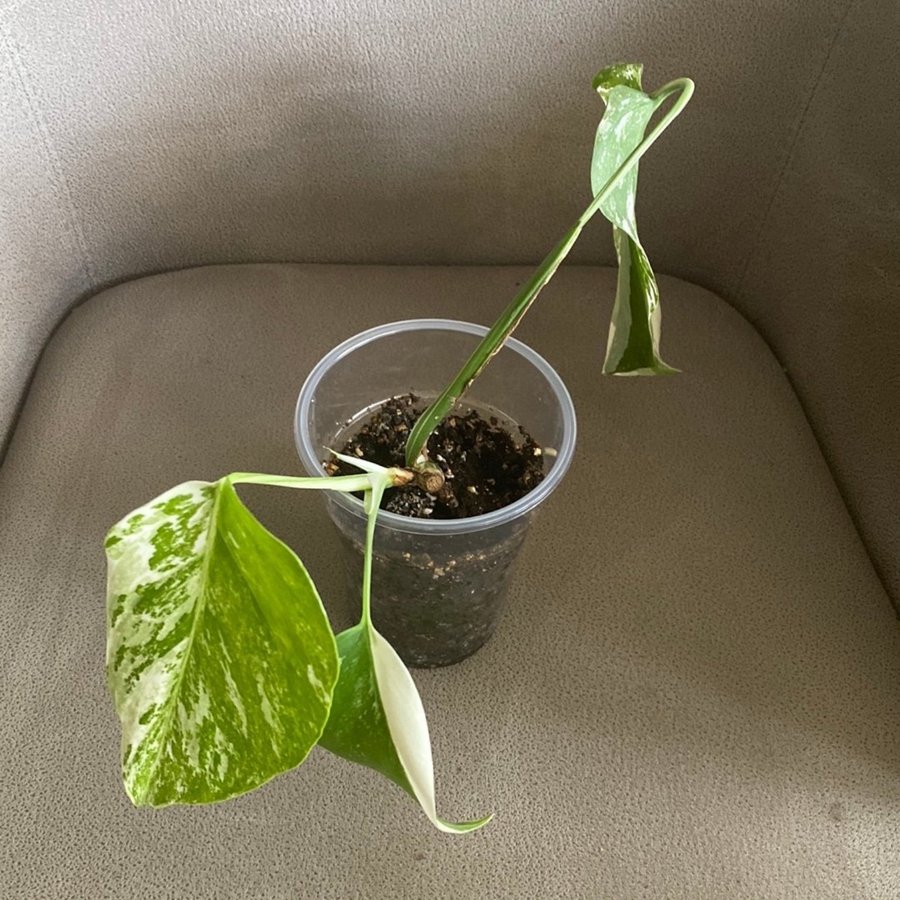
{"x": 374, "y": 483}
{"x": 377, "y": 485}
{"x": 346, "y": 484}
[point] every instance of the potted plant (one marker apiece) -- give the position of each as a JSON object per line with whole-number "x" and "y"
{"x": 221, "y": 661}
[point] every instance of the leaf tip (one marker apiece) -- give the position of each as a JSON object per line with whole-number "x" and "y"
{"x": 658, "y": 367}
{"x": 137, "y": 794}
{"x": 621, "y": 74}
{"x": 463, "y": 827}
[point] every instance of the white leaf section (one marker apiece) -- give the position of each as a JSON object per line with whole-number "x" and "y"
{"x": 363, "y": 464}
{"x": 409, "y": 729}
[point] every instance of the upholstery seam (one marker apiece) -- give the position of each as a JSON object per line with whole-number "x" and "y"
{"x": 59, "y": 183}
{"x": 789, "y": 156}
{"x": 752, "y": 257}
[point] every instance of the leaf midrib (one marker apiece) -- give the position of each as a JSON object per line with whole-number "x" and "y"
{"x": 198, "y": 612}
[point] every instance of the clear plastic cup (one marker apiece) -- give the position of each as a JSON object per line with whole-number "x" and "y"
{"x": 438, "y": 586}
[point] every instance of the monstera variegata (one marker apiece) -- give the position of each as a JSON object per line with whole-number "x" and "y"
{"x": 221, "y": 661}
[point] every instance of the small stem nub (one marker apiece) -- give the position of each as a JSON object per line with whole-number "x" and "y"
{"x": 428, "y": 476}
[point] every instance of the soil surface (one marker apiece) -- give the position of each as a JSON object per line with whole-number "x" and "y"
{"x": 485, "y": 467}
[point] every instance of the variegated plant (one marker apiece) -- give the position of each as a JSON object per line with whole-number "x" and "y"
{"x": 222, "y": 664}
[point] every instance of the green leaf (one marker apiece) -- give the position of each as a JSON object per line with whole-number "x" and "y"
{"x": 378, "y": 720}
{"x": 633, "y": 344}
{"x": 220, "y": 658}
{"x": 357, "y": 728}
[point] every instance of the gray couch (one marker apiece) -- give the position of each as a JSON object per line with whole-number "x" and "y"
{"x": 695, "y": 691}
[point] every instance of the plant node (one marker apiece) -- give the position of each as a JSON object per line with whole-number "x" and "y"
{"x": 429, "y": 477}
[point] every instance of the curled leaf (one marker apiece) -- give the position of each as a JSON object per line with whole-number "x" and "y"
{"x": 634, "y": 333}
{"x": 378, "y": 720}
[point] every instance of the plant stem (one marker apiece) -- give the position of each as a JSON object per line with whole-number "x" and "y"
{"x": 373, "y": 503}
{"x": 373, "y": 482}
{"x": 343, "y": 483}
{"x": 393, "y": 477}
{"x": 521, "y": 303}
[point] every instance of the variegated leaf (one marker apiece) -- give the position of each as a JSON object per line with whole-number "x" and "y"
{"x": 220, "y": 658}
{"x": 378, "y": 720}
{"x": 633, "y": 344}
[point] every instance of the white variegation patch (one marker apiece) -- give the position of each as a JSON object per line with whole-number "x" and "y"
{"x": 140, "y": 683}
{"x": 408, "y": 728}
{"x": 130, "y": 542}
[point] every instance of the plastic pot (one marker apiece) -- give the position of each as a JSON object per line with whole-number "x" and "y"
{"x": 438, "y": 586}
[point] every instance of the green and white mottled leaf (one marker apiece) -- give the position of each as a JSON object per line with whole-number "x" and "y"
{"x": 378, "y": 720}
{"x": 220, "y": 658}
{"x": 633, "y": 344}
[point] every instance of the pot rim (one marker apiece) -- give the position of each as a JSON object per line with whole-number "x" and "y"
{"x": 520, "y": 507}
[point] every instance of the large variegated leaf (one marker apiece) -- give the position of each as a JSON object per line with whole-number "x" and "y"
{"x": 378, "y": 720}
{"x": 633, "y": 344}
{"x": 220, "y": 658}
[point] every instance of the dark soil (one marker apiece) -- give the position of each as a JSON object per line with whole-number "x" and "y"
{"x": 485, "y": 467}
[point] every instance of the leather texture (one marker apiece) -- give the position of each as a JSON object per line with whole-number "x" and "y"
{"x": 693, "y": 692}
{"x": 142, "y": 137}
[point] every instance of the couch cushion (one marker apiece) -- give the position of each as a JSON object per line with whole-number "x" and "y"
{"x": 694, "y": 691}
